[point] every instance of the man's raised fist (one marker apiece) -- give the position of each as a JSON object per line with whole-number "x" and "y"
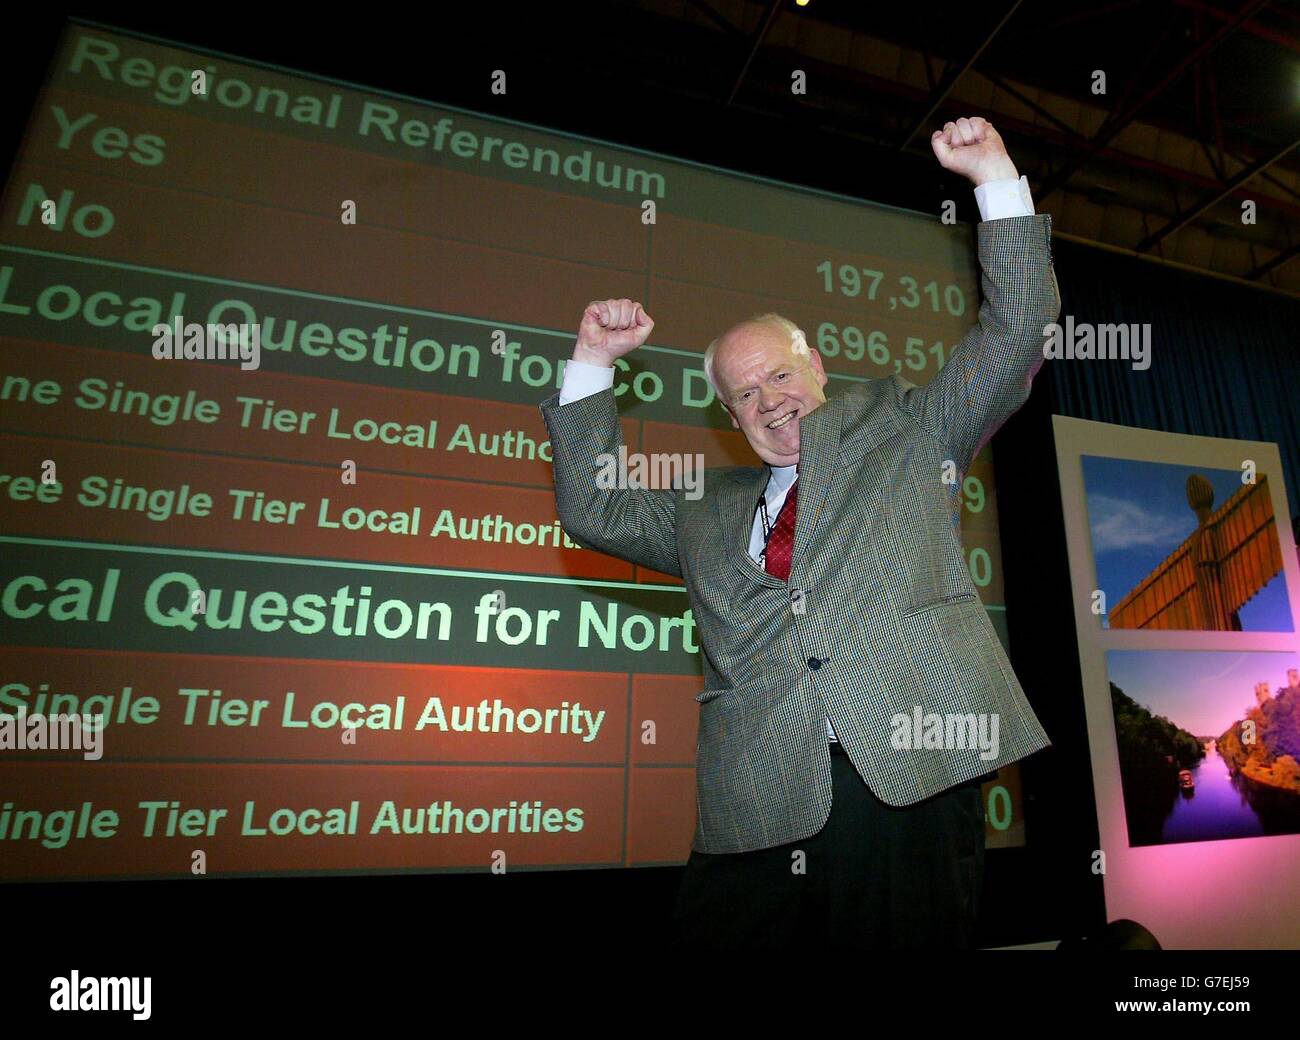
{"x": 972, "y": 148}
{"x": 610, "y": 329}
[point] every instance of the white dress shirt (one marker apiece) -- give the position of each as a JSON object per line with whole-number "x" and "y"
{"x": 996, "y": 199}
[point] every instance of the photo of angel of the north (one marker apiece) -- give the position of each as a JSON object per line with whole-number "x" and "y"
{"x": 1184, "y": 547}
{"x": 1208, "y": 742}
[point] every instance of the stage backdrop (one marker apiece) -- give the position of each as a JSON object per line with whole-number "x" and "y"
{"x": 325, "y": 605}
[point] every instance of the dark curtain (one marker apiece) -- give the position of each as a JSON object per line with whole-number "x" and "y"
{"x": 1225, "y": 358}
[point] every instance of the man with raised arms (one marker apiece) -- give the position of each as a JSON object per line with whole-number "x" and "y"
{"x": 833, "y": 599}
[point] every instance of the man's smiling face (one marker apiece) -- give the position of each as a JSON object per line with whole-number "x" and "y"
{"x": 767, "y": 386}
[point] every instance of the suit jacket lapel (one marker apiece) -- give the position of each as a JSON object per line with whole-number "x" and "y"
{"x": 819, "y": 450}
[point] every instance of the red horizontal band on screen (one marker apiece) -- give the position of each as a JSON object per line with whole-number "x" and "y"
{"x": 596, "y": 793}
{"x": 462, "y": 421}
{"x": 530, "y": 716}
{"x": 700, "y": 268}
{"x": 382, "y": 504}
{"x": 661, "y": 798}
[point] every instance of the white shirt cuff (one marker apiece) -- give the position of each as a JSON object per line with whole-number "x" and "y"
{"x": 582, "y": 380}
{"x": 1004, "y": 198}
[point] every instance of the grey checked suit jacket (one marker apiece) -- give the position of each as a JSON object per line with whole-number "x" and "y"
{"x": 891, "y": 617}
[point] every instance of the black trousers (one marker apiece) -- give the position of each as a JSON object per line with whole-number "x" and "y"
{"x": 874, "y": 877}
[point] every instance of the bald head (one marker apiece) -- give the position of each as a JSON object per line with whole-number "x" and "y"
{"x": 769, "y": 325}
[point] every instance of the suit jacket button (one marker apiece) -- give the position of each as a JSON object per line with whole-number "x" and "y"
{"x": 814, "y": 663}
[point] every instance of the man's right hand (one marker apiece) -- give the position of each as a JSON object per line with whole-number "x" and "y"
{"x": 610, "y": 329}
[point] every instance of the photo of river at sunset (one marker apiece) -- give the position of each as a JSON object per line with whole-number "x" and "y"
{"x": 1208, "y": 743}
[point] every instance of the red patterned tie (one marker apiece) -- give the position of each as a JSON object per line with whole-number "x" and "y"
{"x": 780, "y": 546}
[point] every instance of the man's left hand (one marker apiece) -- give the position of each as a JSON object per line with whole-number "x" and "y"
{"x": 974, "y": 149}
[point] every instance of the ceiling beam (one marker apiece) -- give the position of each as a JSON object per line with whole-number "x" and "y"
{"x": 755, "y": 42}
{"x": 855, "y": 84}
{"x": 1034, "y": 106}
{"x": 1263, "y": 32}
{"x": 952, "y": 75}
{"x": 716, "y": 17}
{"x": 1113, "y": 126}
{"x": 1183, "y": 219}
{"x": 1282, "y": 258}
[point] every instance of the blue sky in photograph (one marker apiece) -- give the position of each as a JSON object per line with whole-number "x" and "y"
{"x": 1204, "y": 692}
{"x": 1138, "y": 515}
